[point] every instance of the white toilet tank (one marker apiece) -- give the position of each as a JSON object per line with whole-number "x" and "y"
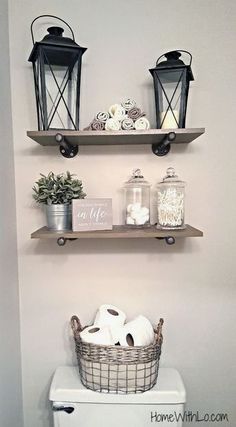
{"x": 75, "y": 406}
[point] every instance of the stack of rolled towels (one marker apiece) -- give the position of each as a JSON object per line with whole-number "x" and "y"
{"x": 110, "y": 328}
{"x": 124, "y": 116}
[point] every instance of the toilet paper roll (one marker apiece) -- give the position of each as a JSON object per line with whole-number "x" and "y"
{"x": 137, "y": 332}
{"x": 116, "y": 332}
{"x": 111, "y": 316}
{"x": 97, "y": 335}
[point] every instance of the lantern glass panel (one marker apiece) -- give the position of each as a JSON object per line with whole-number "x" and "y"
{"x": 171, "y": 87}
{"x": 58, "y": 85}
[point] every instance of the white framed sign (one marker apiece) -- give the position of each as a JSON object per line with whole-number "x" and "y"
{"x": 91, "y": 214}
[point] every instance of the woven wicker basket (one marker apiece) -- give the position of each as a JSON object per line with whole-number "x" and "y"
{"x": 117, "y": 369}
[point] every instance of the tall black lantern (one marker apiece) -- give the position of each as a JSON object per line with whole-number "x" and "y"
{"x": 171, "y": 84}
{"x": 57, "y": 69}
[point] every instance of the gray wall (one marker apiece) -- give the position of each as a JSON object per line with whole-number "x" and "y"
{"x": 191, "y": 284}
{"x": 10, "y": 357}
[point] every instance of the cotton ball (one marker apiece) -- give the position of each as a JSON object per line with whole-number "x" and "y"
{"x": 129, "y": 208}
{"x": 135, "y": 206}
{"x": 129, "y": 220}
{"x": 134, "y": 214}
{"x": 140, "y": 220}
{"x": 144, "y": 211}
{"x": 145, "y": 218}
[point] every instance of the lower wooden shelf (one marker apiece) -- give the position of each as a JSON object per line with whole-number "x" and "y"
{"x": 117, "y": 232}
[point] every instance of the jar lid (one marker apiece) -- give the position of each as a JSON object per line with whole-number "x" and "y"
{"x": 137, "y": 178}
{"x": 171, "y": 177}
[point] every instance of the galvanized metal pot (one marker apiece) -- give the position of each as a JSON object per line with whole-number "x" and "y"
{"x": 59, "y": 217}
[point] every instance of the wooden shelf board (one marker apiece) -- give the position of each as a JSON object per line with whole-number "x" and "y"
{"x": 118, "y": 232}
{"x": 122, "y": 137}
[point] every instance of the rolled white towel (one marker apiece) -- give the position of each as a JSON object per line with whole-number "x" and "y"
{"x": 117, "y": 111}
{"x": 102, "y": 116}
{"x": 112, "y": 124}
{"x": 127, "y": 124}
{"x": 142, "y": 124}
{"x": 128, "y": 104}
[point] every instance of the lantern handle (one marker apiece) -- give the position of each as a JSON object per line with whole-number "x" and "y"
{"x": 49, "y": 16}
{"x": 178, "y": 50}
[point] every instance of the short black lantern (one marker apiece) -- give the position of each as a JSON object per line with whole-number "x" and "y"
{"x": 57, "y": 70}
{"x": 171, "y": 84}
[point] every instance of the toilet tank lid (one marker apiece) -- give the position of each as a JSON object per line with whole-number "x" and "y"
{"x": 66, "y": 387}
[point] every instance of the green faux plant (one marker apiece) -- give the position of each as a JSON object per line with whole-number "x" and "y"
{"x": 57, "y": 189}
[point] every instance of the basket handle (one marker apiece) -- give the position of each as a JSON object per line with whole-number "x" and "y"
{"x": 158, "y": 331}
{"x": 75, "y": 325}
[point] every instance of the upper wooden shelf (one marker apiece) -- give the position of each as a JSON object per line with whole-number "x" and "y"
{"x": 117, "y": 232}
{"x": 122, "y": 137}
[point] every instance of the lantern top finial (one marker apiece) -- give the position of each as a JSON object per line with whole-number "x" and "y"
{"x": 173, "y": 58}
{"x": 175, "y": 54}
{"x": 55, "y": 31}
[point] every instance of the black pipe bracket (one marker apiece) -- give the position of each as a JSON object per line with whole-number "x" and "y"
{"x": 170, "y": 240}
{"x": 61, "y": 241}
{"x": 67, "y": 150}
{"x": 163, "y": 147}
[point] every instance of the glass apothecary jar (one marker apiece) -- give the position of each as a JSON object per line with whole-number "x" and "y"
{"x": 137, "y": 201}
{"x": 170, "y": 202}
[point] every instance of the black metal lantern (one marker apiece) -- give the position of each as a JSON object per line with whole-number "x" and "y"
{"x": 57, "y": 70}
{"x": 171, "y": 85}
